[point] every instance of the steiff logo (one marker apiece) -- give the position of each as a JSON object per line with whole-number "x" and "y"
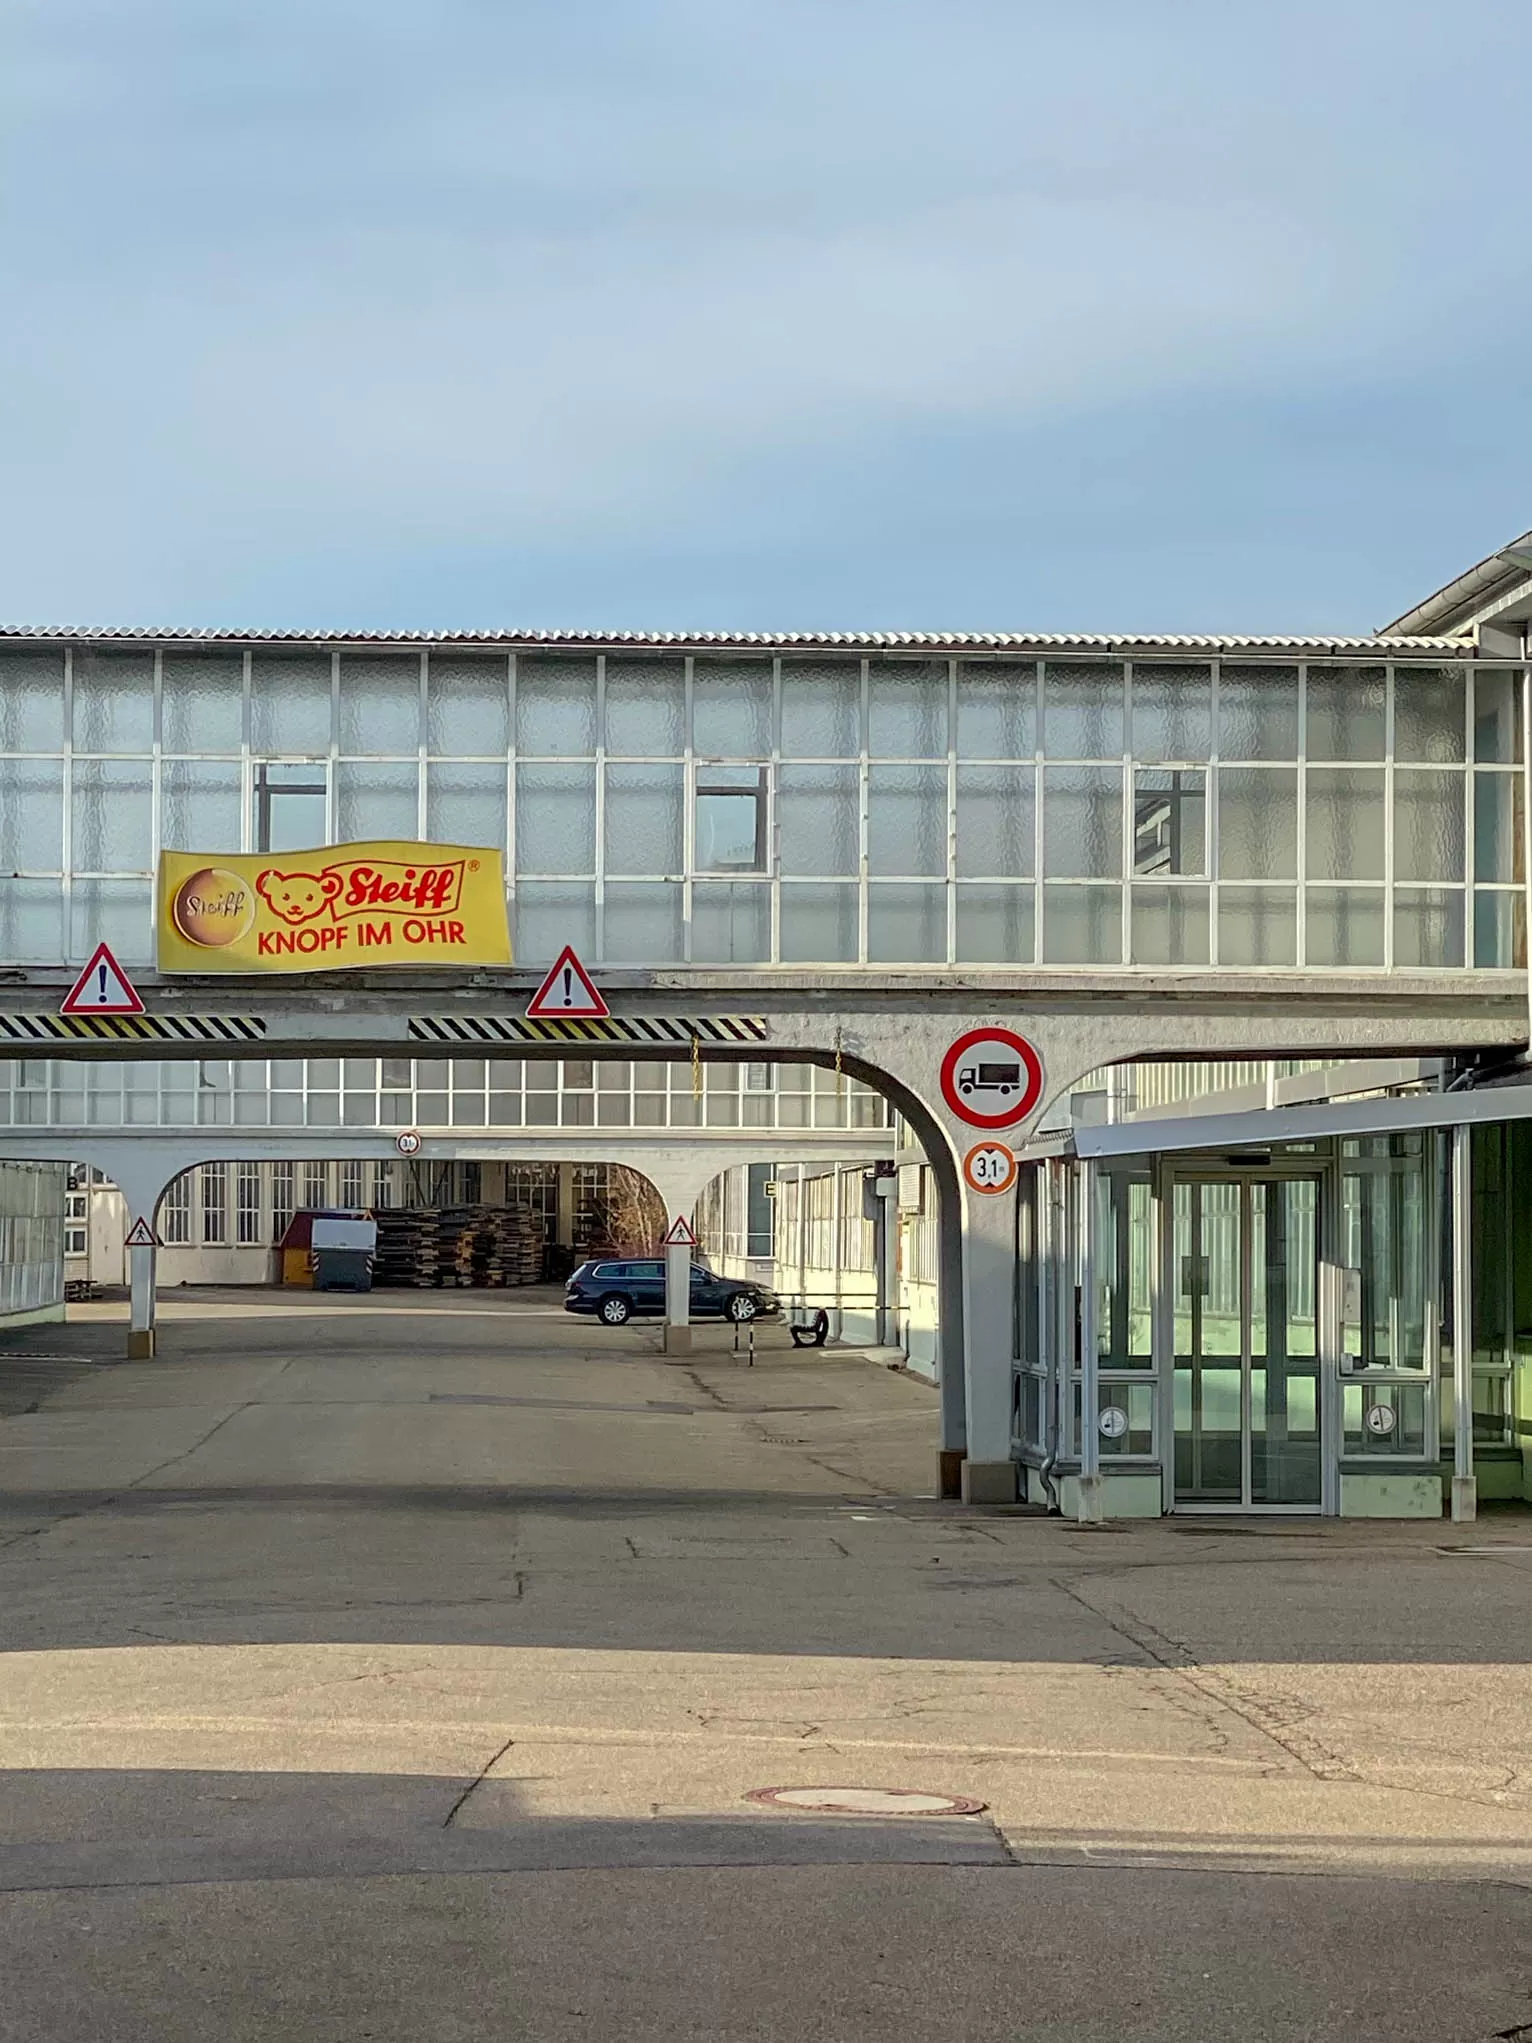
{"x": 214, "y": 907}
{"x": 361, "y": 888}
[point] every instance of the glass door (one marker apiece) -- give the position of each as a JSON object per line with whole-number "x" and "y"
{"x": 1244, "y": 1287}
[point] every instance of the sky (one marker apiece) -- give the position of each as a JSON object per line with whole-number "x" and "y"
{"x": 1095, "y": 315}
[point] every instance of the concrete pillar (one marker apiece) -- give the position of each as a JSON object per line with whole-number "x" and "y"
{"x": 886, "y": 1258}
{"x": 564, "y": 1213}
{"x": 678, "y": 1299}
{"x": 141, "y": 1261}
{"x": 1465, "y": 1488}
{"x": 989, "y": 1283}
{"x": 1090, "y": 1512}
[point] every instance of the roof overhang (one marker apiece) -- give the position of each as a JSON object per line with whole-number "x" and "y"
{"x": 1266, "y": 1127}
{"x": 1498, "y": 588}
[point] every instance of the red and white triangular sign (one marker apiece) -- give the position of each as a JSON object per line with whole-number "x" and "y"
{"x": 141, "y": 1235}
{"x": 681, "y": 1234}
{"x": 102, "y": 988}
{"x": 567, "y": 993}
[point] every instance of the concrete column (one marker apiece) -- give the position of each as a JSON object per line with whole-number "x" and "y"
{"x": 1465, "y": 1488}
{"x": 989, "y": 1282}
{"x": 886, "y": 1258}
{"x": 678, "y": 1300}
{"x": 141, "y": 1263}
{"x": 1090, "y": 1437}
{"x": 564, "y": 1216}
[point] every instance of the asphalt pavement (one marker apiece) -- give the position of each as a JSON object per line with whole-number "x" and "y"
{"x": 400, "y": 1667}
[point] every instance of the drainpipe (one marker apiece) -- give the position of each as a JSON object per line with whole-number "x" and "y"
{"x": 1465, "y": 1489}
{"x": 1090, "y": 1435}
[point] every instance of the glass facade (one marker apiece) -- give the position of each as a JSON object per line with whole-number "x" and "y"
{"x": 726, "y": 809}
{"x": 464, "y": 1093}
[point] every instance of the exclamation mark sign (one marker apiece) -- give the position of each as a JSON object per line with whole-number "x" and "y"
{"x": 568, "y": 986}
{"x": 101, "y": 982}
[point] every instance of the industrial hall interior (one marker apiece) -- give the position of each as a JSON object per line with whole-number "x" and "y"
{"x": 1127, "y": 1037}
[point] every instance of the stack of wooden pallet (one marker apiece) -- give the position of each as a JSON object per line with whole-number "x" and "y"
{"x": 433, "y": 1247}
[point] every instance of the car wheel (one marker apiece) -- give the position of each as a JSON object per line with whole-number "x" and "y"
{"x": 740, "y": 1307}
{"x": 615, "y": 1309}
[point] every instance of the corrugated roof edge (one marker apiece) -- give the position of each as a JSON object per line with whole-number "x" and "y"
{"x": 1115, "y": 644}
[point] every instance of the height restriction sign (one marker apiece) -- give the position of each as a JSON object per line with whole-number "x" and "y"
{"x": 992, "y": 1078}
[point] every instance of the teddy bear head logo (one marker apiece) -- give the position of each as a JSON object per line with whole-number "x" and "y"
{"x": 298, "y": 897}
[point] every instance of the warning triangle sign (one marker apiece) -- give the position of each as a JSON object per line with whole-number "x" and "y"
{"x": 102, "y": 988}
{"x": 141, "y": 1235}
{"x": 681, "y": 1233}
{"x": 568, "y": 992}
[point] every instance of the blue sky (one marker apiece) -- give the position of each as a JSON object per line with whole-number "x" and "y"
{"x": 1115, "y": 315}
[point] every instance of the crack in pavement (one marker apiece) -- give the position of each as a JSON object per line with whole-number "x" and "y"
{"x": 477, "y": 1782}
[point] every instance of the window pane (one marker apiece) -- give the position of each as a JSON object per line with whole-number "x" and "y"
{"x": 1499, "y": 929}
{"x": 465, "y": 804}
{"x": 112, "y": 816}
{"x": 467, "y": 704}
{"x": 994, "y": 925}
{"x": 642, "y": 923}
{"x": 1344, "y": 926}
{"x": 548, "y": 917}
{"x": 376, "y": 801}
{"x": 1170, "y": 925}
{"x": 32, "y": 922}
{"x": 555, "y": 705}
{"x": 730, "y": 924}
{"x": 1345, "y": 821}
{"x": 645, "y": 813}
{"x": 1428, "y": 926}
{"x": 907, "y": 708}
{"x": 1172, "y": 711}
{"x": 1428, "y": 826}
{"x": 379, "y": 702}
{"x": 997, "y": 709}
{"x": 32, "y": 701}
{"x": 1345, "y": 712}
{"x": 289, "y": 701}
{"x": 728, "y": 831}
{"x": 31, "y": 815}
{"x": 1082, "y": 711}
{"x": 290, "y": 809}
{"x": 1497, "y": 716}
{"x": 1428, "y": 713}
{"x": 1082, "y": 925}
{"x": 817, "y": 818}
{"x": 1257, "y": 712}
{"x": 731, "y": 708}
{"x": 555, "y": 819}
{"x": 115, "y": 912}
{"x": 1169, "y": 822}
{"x": 907, "y": 925}
{"x": 645, "y": 705}
{"x": 1497, "y": 828}
{"x": 821, "y": 708}
{"x": 1257, "y": 824}
{"x": 202, "y": 702}
{"x": 199, "y": 805}
{"x": 907, "y": 819}
{"x": 819, "y": 925}
{"x": 1082, "y": 822}
{"x": 996, "y": 822}
{"x": 113, "y": 701}
{"x": 1257, "y": 926}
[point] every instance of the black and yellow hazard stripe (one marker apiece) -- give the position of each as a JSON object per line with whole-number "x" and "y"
{"x": 629, "y": 1030}
{"x": 131, "y": 1028}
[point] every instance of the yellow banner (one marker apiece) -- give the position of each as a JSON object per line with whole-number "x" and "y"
{"x": 348, "y": 907}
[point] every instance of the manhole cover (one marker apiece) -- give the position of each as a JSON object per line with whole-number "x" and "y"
{"x": 865, "y": 1801}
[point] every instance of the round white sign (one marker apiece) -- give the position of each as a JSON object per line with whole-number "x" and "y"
{"x": 990, "y": 1167}
{"x": 408, "y": 1143}
{"x": 1381, "y": 1419}
{"x": 1113, "y": 1422}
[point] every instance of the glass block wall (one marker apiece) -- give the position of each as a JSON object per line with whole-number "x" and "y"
{"x": 464, "y": 1093}
{"x": 830, "y": 810}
